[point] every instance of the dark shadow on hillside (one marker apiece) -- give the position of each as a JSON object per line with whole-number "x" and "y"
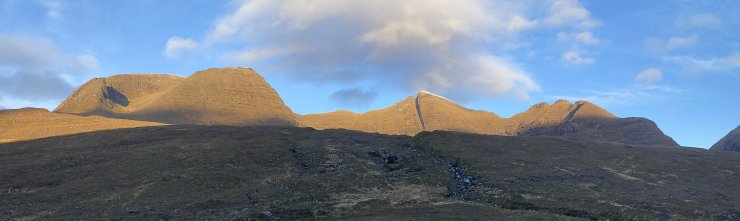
{"x": 632, "y": 130}
{"x": 115, "y": 96}
{"x": 263, "y": 172}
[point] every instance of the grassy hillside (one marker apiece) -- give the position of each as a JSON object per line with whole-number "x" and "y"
{"x": 233, "y": 173}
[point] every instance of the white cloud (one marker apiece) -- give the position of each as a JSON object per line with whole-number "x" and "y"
{"x": 585, "y": 37}
{"x": 677, "y": 42}
{"x": 699, "y": 21}
{"x": 694, "y": 65}
{"x": 53, "y": 8}
{"x": 570, "y": 12}
{"x": 576, "y": 56}
{"x": 649, "y": 76}
{"x": 661, "y": 45}
{"x": 88, "y": 62}
{"x": 627, "y": 95}
{"x": 437, "y": 45}
{"x": 176, "y": 46}
{"x": 35, "y": 71}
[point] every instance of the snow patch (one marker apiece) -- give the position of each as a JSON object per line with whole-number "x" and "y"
{"x": 433, "y": 94}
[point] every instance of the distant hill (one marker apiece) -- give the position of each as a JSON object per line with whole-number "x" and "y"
{"x": 429, "y": 112}
{"x": 34, "y": 123}
{"x": 240, "y": 96}
{"x": 730, "y": 142}
{"x": 226, "y": 96}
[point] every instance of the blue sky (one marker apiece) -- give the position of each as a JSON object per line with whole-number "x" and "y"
{"x": 675, "y": 62}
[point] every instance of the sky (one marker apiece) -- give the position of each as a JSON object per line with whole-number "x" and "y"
{"x": 676, "y": 62}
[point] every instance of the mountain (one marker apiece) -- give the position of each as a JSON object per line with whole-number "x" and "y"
{"x": 581, "y": 120}
{"x": 227, "y": 96}
{"x": 730, "y": 142}
{"x": 401, "y": 118}
{"x": 439, "y": 113}
{"x": 34, "y": 123}
{"x": 240, "y": 96}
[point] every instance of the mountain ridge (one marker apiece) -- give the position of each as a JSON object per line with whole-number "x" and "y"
{"x": 730, "y": 142}
{"x": 230, "y": 96}
{"x": 240, "y": 96}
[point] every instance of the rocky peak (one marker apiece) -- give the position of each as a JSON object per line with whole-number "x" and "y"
{"x": 730, "y": 142}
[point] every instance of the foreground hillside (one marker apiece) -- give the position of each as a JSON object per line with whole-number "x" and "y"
{"x": 233, "y": 173}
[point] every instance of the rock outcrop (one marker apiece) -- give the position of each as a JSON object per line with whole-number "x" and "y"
{"x": 730, "y": 142}
{"x": 227, "y": 96}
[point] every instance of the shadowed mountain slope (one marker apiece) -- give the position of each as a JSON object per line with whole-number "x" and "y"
{"x": 194, "y": 172}
{"x": 117, "y": 95}
{"x": 34, "y": 123}
{"x": 228, "y": 96}
{"x": 730, "y": 142}
{"x": 583, "y": 120}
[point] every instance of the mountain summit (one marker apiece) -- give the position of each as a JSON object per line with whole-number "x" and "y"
{"x": 240, "y": 96}
{"x": 427, "y": 111}
{"x": 729, "y": 142}
{"x": 230, "y": 96}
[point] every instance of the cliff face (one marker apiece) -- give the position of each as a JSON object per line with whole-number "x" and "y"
{"x": 730, "y": 142}
{"x": 230, "y": 96}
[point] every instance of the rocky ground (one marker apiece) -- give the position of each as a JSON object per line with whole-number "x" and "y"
{"x": 287, "y": 173}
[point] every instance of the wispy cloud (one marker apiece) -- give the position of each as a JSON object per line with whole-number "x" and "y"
{"x": 585, "y": 37}
{"x": 699, "y": 21}
{"x": 176, "y": 46}
{"x": 576, "y": 56}
{"x": 649, "y": 76}
{"x": 694, "y": 65}
{"x": 622, "y": 96}
{"x": 670, "y": 44}
{"x": 646, "y": 89}
{"x": 678, "y": 41}
{"x": 446, "y": 46}
{"x": 53, "y": 8}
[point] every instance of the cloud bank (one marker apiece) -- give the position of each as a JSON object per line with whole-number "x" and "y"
{"x": 453, "y": 47}
{"x": 33, "y": 70}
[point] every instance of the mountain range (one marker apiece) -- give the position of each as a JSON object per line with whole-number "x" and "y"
{"x": 240, "y": 96}
{"x": 222, "y": 145}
